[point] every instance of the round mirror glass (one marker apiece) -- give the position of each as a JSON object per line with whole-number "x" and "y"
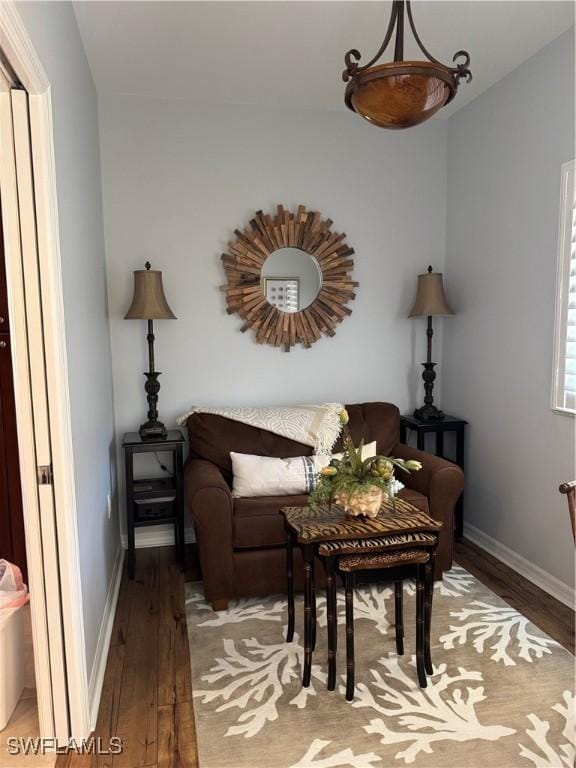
{"x": 291, "y": 279}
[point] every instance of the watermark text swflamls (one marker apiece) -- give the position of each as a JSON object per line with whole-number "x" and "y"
{"x": 95, "y": 745}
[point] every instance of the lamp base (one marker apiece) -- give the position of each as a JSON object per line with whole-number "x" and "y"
{"x": 429, "y": 413}
{"x": 153, "y": 430}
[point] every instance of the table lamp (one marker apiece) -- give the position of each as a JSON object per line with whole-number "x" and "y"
{"x": 430, "y": 301}
{"x": 149, "y": 303}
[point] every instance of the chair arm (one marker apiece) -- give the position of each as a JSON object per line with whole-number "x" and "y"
{"x": 434, "y": 471}
{"x": 210, "y": 503}
{"x": 441, "y": 482}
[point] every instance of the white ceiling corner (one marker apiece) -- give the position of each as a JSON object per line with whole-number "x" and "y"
{"x": 290, "y": 54}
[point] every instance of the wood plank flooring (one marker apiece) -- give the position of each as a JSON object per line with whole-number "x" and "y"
{"x": 147, "y": 693}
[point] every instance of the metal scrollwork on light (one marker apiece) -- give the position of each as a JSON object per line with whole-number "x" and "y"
{"x": 462, "y": 67}
{"x": 378, "y": 91}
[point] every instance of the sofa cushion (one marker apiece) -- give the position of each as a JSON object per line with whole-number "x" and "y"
{"x": 258, "y": 521}
{"x": 416, "y": 499}
{"x": 214, "y": 437}
{"x": 374, "y": 421}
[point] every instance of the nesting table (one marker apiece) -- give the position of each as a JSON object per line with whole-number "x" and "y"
{"x": 326, "y": 532}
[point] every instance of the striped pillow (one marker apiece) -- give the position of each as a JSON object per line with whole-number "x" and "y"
{"x": 267, "y": 476}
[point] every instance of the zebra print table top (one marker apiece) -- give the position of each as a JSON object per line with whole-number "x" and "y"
{"x": 396, "y": 541}
{"x": 320, "y": 523}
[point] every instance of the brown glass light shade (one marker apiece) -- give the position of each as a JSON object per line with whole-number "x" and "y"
{"x": 400, "y": 94}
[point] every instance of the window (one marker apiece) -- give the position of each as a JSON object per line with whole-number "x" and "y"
{"x": 564, "y": 375}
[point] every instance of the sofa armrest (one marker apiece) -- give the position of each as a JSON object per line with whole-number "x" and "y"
{"x": 441, "y": 482}
{"x": 209, "y": 500}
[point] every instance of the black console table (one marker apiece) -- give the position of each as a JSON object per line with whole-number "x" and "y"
{"x": 439, "y": 428}
{"x": 155, "y": 500}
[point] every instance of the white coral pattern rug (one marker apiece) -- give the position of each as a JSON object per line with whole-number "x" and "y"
{"x": 502, "y": 693}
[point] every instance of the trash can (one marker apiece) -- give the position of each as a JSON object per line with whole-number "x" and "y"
{"x": 11, "y": 661}
{"x": 13, "y": 596}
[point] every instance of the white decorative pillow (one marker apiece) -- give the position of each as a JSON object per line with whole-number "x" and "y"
{"x": 268, "y": 476}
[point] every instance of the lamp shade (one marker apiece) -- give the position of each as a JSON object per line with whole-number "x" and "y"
{"x": 149, "y": 301}
{"x": 430, "y": 296}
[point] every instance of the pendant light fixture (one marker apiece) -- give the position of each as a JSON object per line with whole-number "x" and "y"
{"x": 401, "y": 93}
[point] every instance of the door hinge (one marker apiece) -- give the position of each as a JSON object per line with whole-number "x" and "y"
{"x": 44, "y": 473}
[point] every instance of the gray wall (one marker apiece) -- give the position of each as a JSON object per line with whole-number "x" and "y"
{"x": 54, "y": 33}
{"x": 504, "y": 155}
{"x": 178, "y": 179}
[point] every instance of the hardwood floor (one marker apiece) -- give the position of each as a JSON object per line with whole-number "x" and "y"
{"x": 147, "y": 693}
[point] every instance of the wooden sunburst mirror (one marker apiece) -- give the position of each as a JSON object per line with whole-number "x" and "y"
{"x": 289, "y": 277}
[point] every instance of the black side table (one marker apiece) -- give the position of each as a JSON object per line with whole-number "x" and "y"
{"x": 438, "y": 428}
{"x": 157, "y": 500}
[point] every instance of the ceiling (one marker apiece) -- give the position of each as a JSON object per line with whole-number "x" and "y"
{"x": 290, "y": 54}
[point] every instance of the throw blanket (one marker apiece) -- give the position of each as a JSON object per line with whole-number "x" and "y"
{"x": 314, "y": 425}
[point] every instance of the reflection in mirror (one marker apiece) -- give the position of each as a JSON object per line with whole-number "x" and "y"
{"x": 291, "y": 279}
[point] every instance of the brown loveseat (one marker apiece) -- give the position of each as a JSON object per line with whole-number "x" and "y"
{"x": 242, "y": 541}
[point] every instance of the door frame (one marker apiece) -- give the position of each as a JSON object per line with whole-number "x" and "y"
{"x": 19, "y": 51}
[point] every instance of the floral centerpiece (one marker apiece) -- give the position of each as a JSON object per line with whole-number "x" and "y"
{"x": 358, "y": 485}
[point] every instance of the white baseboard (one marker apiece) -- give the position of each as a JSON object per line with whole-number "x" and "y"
{"x": 104, "y": 636}
{"x": 562, "y": 592}
{"x": 157, "y": 536}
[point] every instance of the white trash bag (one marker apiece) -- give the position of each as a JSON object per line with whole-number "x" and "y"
{"x": 13, "y": 591}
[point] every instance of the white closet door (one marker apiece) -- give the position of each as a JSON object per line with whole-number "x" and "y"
{"x": 19, "y": 218}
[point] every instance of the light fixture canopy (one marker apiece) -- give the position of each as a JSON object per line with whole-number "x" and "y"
{"x": 401, "y": 93}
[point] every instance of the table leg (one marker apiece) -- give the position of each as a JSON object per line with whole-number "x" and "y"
{"x": 179, "y": 542}
{"x": 308, "y": 554}
{"x": 459, "y": 511}
{"x": 180, "y": 511}
{"x": 313, "y": 579}
{"x": 349, "y": 585}
{"x": 182, "y": 537}
{"x": 129, "y": 459}
{"x": 440, "y": 444}
{"x": 290, "y": 586}
{"x": 459, "y": 517}
{"x": 429, "y": 570}
{"x": 460, "y": 446}
{"x": 131, "y": 547}
{"x": 399, "y": 616}
{"x": 335, "y": 611}
{"x": 420, "y": 627}
{"x": 332, "y": 621}
{"x": 421, "y": 440}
